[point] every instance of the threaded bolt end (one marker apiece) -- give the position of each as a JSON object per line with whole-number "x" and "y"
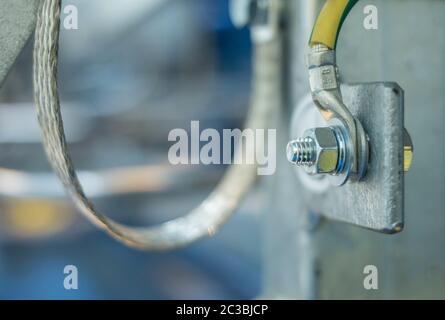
{"x": 302, "y": 152}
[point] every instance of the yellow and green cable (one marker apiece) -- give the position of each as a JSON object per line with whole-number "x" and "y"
{"x": 328, "y": 25}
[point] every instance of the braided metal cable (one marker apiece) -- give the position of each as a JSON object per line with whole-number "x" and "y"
{"x": 212, "y": 212}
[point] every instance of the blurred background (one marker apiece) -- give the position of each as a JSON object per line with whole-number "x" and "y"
{"x": 131, "y": 73}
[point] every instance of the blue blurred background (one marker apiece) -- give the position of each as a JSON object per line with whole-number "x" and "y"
{"x": 132, "y": 72}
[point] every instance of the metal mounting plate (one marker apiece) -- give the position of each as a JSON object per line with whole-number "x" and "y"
{"x": 376, "y": 202}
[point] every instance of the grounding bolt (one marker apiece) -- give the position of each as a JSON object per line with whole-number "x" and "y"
{"x": 320, "y": 151}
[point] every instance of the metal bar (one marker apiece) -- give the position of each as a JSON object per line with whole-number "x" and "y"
{"x": 18, "y": 20}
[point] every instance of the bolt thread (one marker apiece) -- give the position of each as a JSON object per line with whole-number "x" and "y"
{"x": 302, "y": 152}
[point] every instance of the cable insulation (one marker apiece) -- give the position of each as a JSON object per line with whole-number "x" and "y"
{"x": 330, "y": 21}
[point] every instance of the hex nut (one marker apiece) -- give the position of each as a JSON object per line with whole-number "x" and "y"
{"x": 326, "y": 147}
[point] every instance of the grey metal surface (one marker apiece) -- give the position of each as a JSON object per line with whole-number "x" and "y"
{"x": 411, "y": 264}
{"x": 376, "y": 202}
{"x": 17, "y": 21}
{"x": 289, "y": 255}
{"x": 328, "y": 261}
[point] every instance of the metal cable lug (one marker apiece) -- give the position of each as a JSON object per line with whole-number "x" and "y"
{"x": 358, "y": 115}
{"x": 352, "y": 141}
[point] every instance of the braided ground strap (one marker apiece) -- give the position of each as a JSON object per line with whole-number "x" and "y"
{"x": 212, "y": 212}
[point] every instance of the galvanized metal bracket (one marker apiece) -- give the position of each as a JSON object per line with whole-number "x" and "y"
{"x": 17, "y": 21}
{"x": 377, "y": 201}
